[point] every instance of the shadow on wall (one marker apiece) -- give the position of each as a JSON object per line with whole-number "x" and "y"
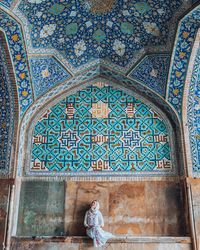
{"x": 76, "y": 227}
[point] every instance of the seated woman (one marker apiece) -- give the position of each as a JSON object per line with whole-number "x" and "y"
{"x": 94, "y": 222}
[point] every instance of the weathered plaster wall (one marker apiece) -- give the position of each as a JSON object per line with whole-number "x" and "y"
{"x": 146, "y": 208}
{"x": 135, "y": 208}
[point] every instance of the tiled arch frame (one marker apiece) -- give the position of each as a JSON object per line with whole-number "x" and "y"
{"x": 78, "y": 82}
{"x": 186, "y": 33}
{"x": 12, "y": 111}
{"x": 190, "y": 113}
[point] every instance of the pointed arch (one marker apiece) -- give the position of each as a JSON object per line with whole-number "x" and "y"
{"x": 60, "y": 92}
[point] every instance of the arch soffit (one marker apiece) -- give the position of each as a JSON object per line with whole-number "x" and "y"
{"x": 14, "y": 111}
{"x": 188, "y": 106}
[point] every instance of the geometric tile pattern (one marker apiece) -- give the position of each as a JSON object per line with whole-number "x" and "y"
{"x": 38, "y": 104}
{"x": 100, "y": 129}
{"x": 193, "y": 115}
{"x": 181, "y": 56}
{"x": 153, "y": 72}
{"x": 46, "y": 74}
{"x": 6, "y": 115}
{"x": 83, "y": 31}
{"x": 142, "y": 89}
{"x": 16, "y": 45}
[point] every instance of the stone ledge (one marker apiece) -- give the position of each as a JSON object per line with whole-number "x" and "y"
{"x": 118, "y": 239}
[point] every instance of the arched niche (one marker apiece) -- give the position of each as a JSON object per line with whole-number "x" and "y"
{"x": 101, "y": 130}
{"x": 117, "y": 190}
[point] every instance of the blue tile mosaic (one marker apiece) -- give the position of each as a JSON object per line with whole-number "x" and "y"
{"x": 153, "y": 72}
{"x": 46, "y": 74}
{"x": 100, "y": 129}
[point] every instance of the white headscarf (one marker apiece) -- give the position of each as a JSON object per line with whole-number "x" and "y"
{"x": 96, "y": 208}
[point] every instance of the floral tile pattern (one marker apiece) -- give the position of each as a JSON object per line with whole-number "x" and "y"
{"x": 84, "y": 31}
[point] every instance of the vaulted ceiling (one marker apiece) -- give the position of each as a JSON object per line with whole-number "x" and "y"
{"x": 83, "y": 32}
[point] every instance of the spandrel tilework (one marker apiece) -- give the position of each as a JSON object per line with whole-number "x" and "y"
{"x": 100, "y": 129}
{"x": 153, "y": 72}
{"x": 46, "y": 74}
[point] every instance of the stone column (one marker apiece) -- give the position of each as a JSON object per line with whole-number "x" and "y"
{"x": 194, "y": 206}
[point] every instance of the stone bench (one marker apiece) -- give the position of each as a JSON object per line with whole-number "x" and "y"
{"x": 119, "y": 243}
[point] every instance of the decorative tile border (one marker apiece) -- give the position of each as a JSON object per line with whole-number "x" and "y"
{"x": 185, "y": 37}
{"x": 37, "y": 105}
{"x": 193, "y": 115}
